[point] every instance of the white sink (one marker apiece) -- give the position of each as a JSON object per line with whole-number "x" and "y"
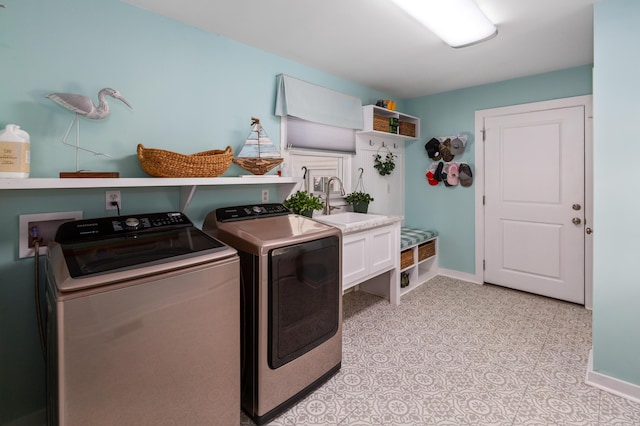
{"x": 348, "y": 218}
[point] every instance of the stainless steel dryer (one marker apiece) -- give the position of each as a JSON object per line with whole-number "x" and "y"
{"x": 291, "y": 303}
{"x": 143, "y": 324}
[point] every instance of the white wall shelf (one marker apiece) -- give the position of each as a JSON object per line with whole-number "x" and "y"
{"x": 187, "y": 186}
{"x": 369, "y": 111}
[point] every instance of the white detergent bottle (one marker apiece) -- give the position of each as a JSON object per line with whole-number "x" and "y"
{"x": 15, "y": 152}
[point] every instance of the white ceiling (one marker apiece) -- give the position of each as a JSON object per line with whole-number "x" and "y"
{"x": 374, "y": 43}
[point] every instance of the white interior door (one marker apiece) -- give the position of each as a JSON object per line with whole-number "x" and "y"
{"x": 534, "y": 202}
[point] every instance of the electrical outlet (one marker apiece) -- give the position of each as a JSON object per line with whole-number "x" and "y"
{"x": 110, "y": 198}
{"x": 46, "y": 225}
{"x": 265, "y": 195}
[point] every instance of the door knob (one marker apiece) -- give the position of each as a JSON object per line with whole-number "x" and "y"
{"x": 588, "y": 231}
{"x": 576, "y": 207}
{"x": 576, "y": 221}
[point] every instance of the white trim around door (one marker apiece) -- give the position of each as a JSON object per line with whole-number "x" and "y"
{"x": 480, "y": 116}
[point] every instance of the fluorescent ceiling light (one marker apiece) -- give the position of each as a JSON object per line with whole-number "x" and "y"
{"x": 458, "y": 23}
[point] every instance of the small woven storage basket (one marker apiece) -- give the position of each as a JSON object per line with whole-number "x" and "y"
{"x": 161, "y": 163}
{"x": 406, "y": 259}
{"x": 407, "y": 129}
{"x": 426, "y": 250}
{"x": 380, "y": 123}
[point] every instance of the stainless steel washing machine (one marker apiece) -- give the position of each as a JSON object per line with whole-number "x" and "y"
{"x": 291, "y": 303}
{"x": 143, "y": 324}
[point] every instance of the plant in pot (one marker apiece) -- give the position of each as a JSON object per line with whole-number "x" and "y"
{"x": 359, "y": 200}
{"x": 303, "y": 203}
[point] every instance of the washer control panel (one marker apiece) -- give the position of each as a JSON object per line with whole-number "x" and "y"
{"x": 228, "y": 214}
{"x": 106, "y": 227}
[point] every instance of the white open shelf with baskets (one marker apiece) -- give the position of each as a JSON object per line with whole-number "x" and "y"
{"x": 376, "y": 123}
{"x": 420, "y": 261}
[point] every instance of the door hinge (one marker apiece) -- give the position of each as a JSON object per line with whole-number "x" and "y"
{"x": 484, "y": 134}
{"x": 483, "y": 200}
{"x": 484, "y": 264}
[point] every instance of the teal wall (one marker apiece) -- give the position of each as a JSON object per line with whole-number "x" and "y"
{"x": 451, "y": 210}
{"x": 616, "y": 339}
{"x": 191, "y": 91}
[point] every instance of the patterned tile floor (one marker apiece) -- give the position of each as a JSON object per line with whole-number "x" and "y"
{"x": 456, "y": 353}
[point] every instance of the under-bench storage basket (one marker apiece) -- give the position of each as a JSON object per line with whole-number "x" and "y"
{"x": 406, "y": 258}
{"x": 161, "y": 163}
{"x": 426, "y": 250}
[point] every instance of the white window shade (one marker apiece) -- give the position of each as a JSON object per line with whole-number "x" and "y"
{"x": 317, "y": 104}
{"x": 303, "y": 134}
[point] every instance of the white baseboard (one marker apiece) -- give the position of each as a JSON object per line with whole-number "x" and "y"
{"x": 458, "y": 275}
{"x": 611, "y": 384}
{"x": 36, "y": 418}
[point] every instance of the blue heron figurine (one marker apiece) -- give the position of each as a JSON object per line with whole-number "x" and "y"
{"x": 83, "y": 106}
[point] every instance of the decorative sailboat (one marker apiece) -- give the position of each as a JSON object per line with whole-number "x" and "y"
{"x": 259, "y": 154}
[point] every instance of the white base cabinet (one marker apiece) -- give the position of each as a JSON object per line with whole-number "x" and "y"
{"x": 369, "y": 253}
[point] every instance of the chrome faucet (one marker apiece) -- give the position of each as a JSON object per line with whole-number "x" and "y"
{"x": 327, "y": 207}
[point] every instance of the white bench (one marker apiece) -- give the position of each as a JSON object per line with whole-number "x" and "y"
{"x": 418, "y": 257}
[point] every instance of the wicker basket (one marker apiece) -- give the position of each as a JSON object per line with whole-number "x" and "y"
{"x": 406, "y": 258}
{"x": 426, "y": 250}
{"x": 161, "y": 163}
{"x": 407, "y": 129}
{"x": 380, "y": 123}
